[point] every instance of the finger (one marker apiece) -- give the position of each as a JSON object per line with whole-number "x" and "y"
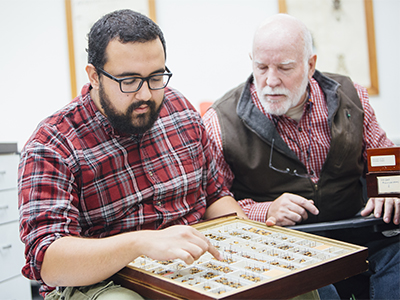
{"x": 194, "y": 251}
{"x": 378, "y": 207}
{"x": 309, "y": 206}
{"x": 396, "y": 217}
{"x": 288, "y": 219}
{"x": 209, "y": 247}
{"x": 192, "y": 244}
{"x": 185, "y": 256}
{"x": 303, "y": 215}
{"x": 296, "y": 216}
{"x": 295, "y": 213}
{"x": 290, "y": 222}
{"x": 388, "y": 210}
{"x": 214, "y": 252}
{"x": 306, "y": 204}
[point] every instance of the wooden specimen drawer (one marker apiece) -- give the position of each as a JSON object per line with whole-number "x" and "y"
{"x": 383, "y": 184}
{"x": 383, "y": 159}
{"x": 260, "y": 262}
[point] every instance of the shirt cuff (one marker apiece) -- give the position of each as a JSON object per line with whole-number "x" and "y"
{"x": 256, "y": 211}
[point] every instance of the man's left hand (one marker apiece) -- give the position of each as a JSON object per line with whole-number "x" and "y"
{"x": 383, "y": 207}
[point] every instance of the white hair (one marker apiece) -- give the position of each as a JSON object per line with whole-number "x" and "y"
{"x": 308, "y": 44}
{"x": 283, "y": 23}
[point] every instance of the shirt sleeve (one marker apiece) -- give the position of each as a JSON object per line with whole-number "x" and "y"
{"x": 211, "y": 123}
{"x": 213, "y": 181}
{"x": 47, "y": 203}
{"x": 374, "y": 135}
{"x": 256, "y": 211}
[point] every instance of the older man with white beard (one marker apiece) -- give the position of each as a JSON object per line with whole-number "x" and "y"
{"x": 291, "y": 142}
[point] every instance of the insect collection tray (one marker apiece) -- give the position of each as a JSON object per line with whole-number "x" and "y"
{"x": 260, "y": 262}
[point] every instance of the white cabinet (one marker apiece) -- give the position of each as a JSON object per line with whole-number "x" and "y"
{"x": 15, "y": 288}
{"x": 12, "y": 284}
{"x": 8, "y": 171}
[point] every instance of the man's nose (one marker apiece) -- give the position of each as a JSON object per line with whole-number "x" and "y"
{"x": 144, "y": 93}
{"x": 272, "y": 79}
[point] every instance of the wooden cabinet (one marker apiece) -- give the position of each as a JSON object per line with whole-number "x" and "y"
{"x": 383, "y": 177}
{"x": 12, "y": 284}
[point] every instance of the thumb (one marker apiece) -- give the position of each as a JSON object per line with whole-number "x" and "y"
{"x": 365, "y": 212}
{"x": 271, "y": 221}
{"x": 369, "y": 208}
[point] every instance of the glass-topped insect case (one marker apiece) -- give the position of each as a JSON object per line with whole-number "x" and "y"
{"x": 260, "y": 262}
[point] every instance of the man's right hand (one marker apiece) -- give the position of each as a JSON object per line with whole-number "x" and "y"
{"x": 179, "y": 241}
{"x": 289, "y": 209}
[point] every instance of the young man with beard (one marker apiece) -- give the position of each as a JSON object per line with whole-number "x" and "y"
{"x": 118, "y": 172}
{"x": 292, "y": 143}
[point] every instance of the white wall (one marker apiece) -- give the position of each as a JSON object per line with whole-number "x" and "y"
{"x": 387, "y": 36}
{"x": 208, "y": 42}
{"x": 34, "y": 70}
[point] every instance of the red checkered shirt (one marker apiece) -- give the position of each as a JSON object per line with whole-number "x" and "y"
{"x": 299, "y": 140}
{"x": 79, "y": 177}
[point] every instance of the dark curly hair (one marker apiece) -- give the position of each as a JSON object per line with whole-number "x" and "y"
{"x": 126, "y": 26}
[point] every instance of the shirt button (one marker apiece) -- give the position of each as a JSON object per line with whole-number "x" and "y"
{"x": 300, "y": 129}
{"x": 151, "y": 173}
{"x": 159, "y": 203}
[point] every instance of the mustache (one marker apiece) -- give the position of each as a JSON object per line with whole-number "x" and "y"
{"x": 274, "y": 91}
{"x": 135, "y": 105}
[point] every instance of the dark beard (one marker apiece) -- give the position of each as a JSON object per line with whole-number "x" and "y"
{"x": 124, "y": 123}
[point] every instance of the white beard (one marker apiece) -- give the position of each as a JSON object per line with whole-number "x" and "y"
{"x": 281, "y": 107}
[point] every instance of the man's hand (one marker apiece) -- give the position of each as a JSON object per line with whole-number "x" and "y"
{"x": 290, "y": 209}
{"x": 180, "y": 241}
{"x": 386, "y": 207}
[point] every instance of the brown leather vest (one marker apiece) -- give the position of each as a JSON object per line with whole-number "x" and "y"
{"x": 247, "y": 135}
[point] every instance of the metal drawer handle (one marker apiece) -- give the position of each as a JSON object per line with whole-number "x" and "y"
{"x": 4, "y": 207}
{"x": 3, "y": 172}
{"x": 5, "y": 247}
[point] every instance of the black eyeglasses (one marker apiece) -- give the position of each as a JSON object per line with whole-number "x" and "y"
{"x": 287, "y": 170}
{"x": 134, "y": 83}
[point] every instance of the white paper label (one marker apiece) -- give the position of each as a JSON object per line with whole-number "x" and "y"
{"x": 389, "y": 184}
{"x": 383, "y": 161}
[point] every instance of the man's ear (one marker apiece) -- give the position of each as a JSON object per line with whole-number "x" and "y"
{"x": 312, "y": 62}
{"x": 93, "y": 76}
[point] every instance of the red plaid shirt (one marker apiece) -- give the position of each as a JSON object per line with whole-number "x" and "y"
{"x": 299, "y": 140}
{"x": 78, "y": 177}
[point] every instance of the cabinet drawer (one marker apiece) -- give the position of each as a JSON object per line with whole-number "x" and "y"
{"x": 11, "y": 251}
{"x": 16, "y": 288}
{"x": 8, "y": 206}
{"x": 8, "y": 171}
